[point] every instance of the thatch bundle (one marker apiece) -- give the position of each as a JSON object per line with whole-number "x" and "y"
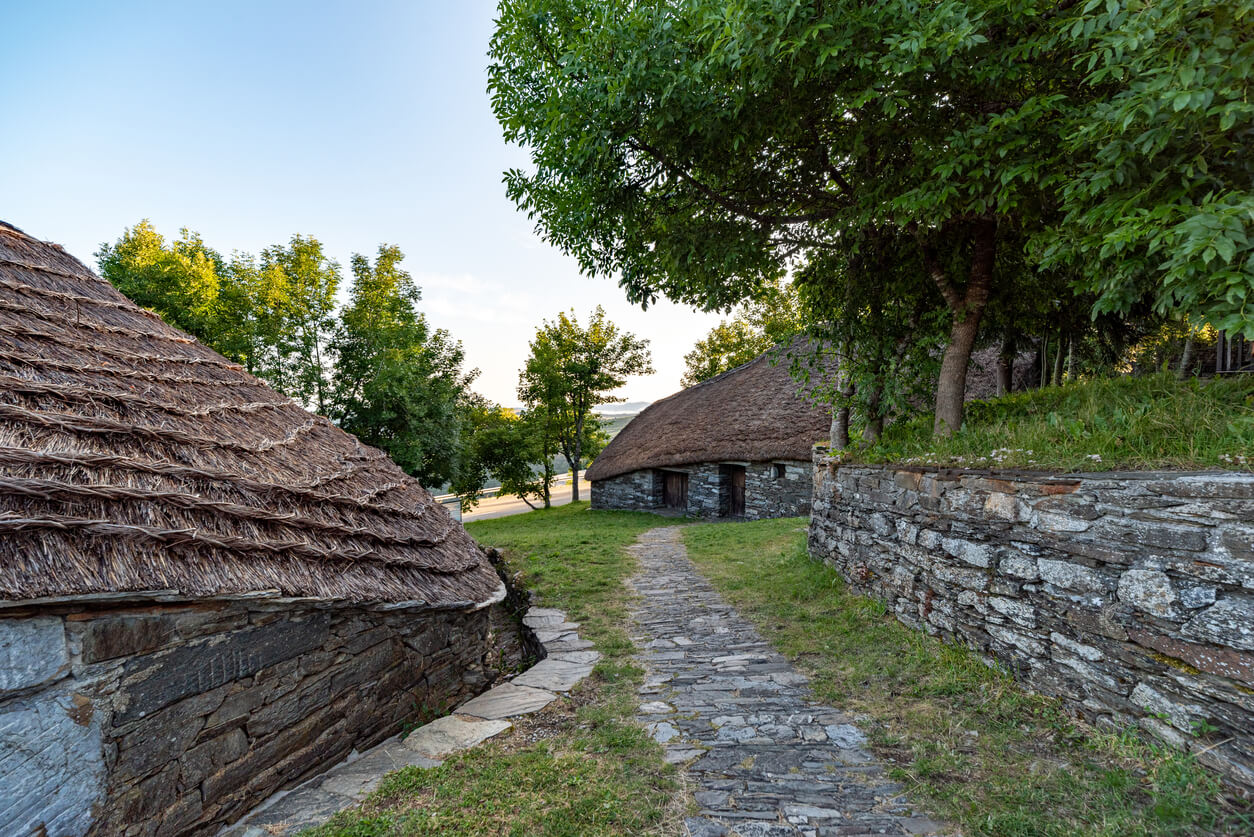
{"x": 751, "y": 413}
{"x": 133, "y": 458}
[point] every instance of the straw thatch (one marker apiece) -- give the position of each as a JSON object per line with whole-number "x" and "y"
{"x": 133, "y": 458}
{"x": 749, "y": 414}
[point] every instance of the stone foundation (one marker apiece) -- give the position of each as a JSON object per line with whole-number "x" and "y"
{"x": 768, "y": 493}
{"x": 176, "y": 718}
{"x": 1128, "y": 596}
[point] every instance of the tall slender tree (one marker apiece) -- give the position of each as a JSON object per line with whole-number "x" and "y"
{"x": 571, "y": 370}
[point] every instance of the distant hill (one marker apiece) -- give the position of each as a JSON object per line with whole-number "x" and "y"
{"x": 627, "y": 408}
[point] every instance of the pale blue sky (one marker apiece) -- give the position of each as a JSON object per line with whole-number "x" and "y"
{"x": 355, "y": 122}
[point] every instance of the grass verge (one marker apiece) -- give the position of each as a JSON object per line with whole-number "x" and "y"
{"x": 967, "y": 742}
{"x": 1144, "y": 422}
{"x": 579, "y": 767}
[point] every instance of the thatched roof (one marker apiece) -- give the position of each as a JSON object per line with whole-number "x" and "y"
{"x": 134, "y": 459}
{"x": 751, "y": 413}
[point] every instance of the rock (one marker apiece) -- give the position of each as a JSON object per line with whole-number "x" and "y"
{"x": 1195, "y": 597}
{"x": 1071, "y": 576}
{"x": 975, "y": 554}
{"x": 1228, "y": 622}
{"x": 554, "y": 675}
{"x": 119, "y": 636}
{"x": 51, "y": 768}
{"x": 507, "y": 700}
{"x": 452, "y": 733}
{"x": 32, "y": 652}
{"x": 1150, "y": 590}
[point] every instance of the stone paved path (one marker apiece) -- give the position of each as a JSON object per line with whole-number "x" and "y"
{"x": 763, "y": 757}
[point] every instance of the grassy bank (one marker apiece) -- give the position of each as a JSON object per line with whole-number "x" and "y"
{"x": 579, "y": 767}
{"x": 1128, "y": 423}
{"x": 967, "y": 742}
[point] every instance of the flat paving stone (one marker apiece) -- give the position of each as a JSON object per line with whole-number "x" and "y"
{"x": 506, "y": 701}
{"x": 553, "y": 675}
{"x": 452, "y": 733}
{"x": 763, "y": 757}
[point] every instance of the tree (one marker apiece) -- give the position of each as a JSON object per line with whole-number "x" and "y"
{"x": 1160, "y": 204}
{"x": 296, "y": 286}
{"x": 274, "y": 318}
{"x": 771, "y": 318}
{"x": 572, "y": 369}
{"x": 398, "y": 384}
{"x": 501, "y": 443}
{"x": 698, "y": 151}
{"x": 181, "y": 281}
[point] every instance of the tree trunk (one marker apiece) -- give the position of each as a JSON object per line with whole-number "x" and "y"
{"x": 1186, "y": 358}
{"x": 967, "y": 310}
{"x": 840, "y": 429}
{"x": 1057, "y": 377}
{"x": 1006, "y": 363}
{"x": 1070, "y": 358}
{"x": 574, "y": 481}
{"x": 874, "y": 428}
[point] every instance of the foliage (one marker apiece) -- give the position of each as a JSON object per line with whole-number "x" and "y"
{"x": 273, "y": 318}
{"x": 187, "y": 283}
{"x": 572, "y": 369}
{"x": 1126, "y": 423}
{"x": 772, "y": 317}
{"x": 979, "y": 751}
{"x": 294, "y": 305}
{"x": 1161, "y": 203}
{"x": 697, "y": 152}
{"x": 398, "y": 383}
{"x": 500, "y": 443}
{"x": 588, "y": 768}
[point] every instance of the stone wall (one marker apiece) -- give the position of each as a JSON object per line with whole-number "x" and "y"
{"x": 176, "y": 718}
{"x": 1128, "y": 596}
{"x": 767, "y": 495}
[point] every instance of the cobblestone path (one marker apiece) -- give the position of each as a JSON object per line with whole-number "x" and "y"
{"x": 763, "y": 757}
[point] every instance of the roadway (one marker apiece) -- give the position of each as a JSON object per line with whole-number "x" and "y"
{"x": 490, "y": 507}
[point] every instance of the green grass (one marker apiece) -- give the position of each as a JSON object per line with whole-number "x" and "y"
{"x": 580, "y": 767}
{"x": 969, "y": 744}
{"x": 1145, "y": 422}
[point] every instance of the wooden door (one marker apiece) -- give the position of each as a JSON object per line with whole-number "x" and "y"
{"x": 675, "y": 491}
{"x": 736, "y": 493}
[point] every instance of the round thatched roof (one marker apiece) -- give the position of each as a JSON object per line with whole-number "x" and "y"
{"x": 135, "y": 459}
{"x": 751, "y": 413}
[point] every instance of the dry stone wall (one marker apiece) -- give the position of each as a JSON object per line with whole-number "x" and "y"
{"x": 1130, "y": 596}
{"x": 768, "y": 493}
{"x": 176, "y": 718}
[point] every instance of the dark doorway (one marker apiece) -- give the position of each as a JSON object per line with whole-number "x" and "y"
{"x": 675, "y": 490}
{"x": 733, "y": 490}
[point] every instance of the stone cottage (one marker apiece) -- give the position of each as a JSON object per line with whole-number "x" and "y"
{"x": 735, "y": 446}
{"x": 207, "y": 594}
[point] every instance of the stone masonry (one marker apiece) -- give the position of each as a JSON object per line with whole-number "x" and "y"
{"x": 1130, "y": 596}
{"x": 768, "y": 492}
{"x": 175, "y": 718}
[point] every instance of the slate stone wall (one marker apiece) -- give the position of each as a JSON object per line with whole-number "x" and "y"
{"x": 766, "y": 494}
{"x": 174, "y": 719}
{"x": 1128, "y": 596}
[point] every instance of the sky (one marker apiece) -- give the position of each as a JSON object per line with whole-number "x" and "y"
{"x": 355, "y": 122}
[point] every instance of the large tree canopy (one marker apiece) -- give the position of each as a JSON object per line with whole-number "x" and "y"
{"x": 699, "y": 149}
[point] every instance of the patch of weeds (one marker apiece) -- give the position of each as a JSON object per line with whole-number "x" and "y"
{"x": 967, "y": 741}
